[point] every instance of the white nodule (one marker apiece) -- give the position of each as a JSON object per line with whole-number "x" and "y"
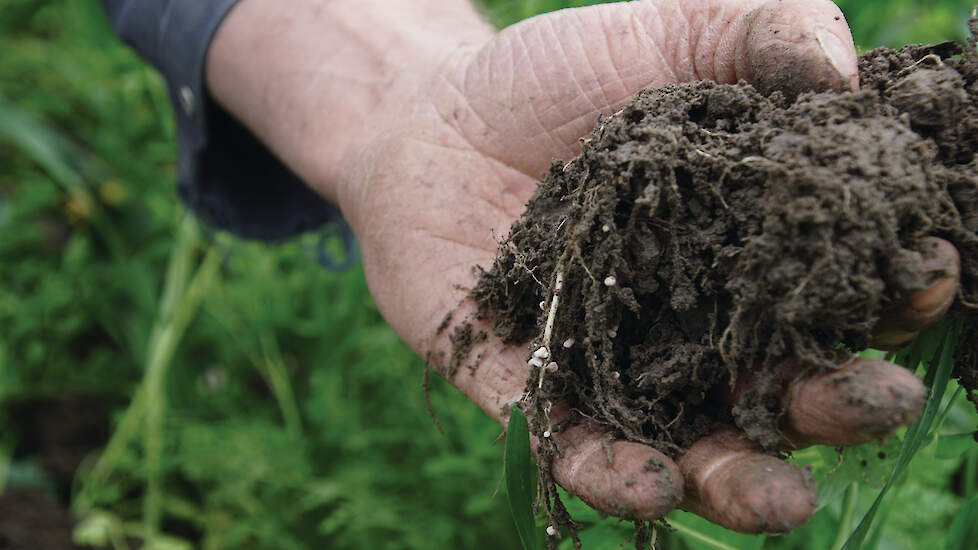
{"x": 541, "y": 352}
{"x": 610, "y": 280}
{"x": 546, "y": 433}
{"x": 606, "y": 228}
{"x": 535, "y": 361}
{"x": 551, "y": 531}
{"x": 568, "y": 343}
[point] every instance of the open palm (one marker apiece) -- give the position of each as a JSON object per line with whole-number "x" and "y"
{"x": 453, "y": 164}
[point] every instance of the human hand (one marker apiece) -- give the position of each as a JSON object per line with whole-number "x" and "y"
{"x": 443, "y": 165}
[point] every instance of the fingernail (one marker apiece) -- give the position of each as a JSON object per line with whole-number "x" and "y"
{"x": 940, "y": 257}
{"x": 638, "y": 483}
{"x": 862, "y": 401}
{"x": 840, "y": 55}
{"x": 942, "y": 266}
{"x": 929, "y": 299}
{"x": 730, "y": 482}
{"x": 935, "y": 299}
{"x": 892, "y": 339}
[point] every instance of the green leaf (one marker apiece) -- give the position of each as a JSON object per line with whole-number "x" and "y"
{"x": 697, "y": 533}
{"x": 937, "y": 378}
{"x": 607, "y": 534}
{"x": 519, "y": 477}
{"x": 870, "y": 463}
{"x": 964, "y": 528}
{"x": 954, "y": 445}
{"x": 698, "y": 538}
{"x": 161, "y": 542}
{"x": 97, "y": 529}
{"x": 40, "y": 143}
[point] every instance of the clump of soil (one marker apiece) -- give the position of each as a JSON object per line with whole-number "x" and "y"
{"x": 707, "y": 230}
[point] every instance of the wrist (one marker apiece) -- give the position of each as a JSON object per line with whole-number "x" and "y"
{"x": 317, "y": 80}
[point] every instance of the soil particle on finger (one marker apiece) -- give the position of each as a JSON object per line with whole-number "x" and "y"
{"x": 463, "y": 339}
{"x": 708, "y": 229}
{"x": 654, "y": 465}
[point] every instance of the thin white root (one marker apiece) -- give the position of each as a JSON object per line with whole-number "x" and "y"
{"x": 549, "y": 327}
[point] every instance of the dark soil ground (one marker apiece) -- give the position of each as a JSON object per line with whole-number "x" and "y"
{"x": 31, "y": 520}
{"x": 707, "y": 230}
{"x": 56, "y": 434}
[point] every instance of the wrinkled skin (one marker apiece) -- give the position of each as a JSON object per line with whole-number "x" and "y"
{"x": 436, "y": 162}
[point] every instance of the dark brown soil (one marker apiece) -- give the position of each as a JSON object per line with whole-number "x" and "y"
{"x": 31, "y": 520}
{"x": 57, "y": 433}
{"x": 708, "y": 230}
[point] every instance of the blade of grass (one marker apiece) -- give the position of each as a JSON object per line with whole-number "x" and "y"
{"x": 848, "y": 515}
{"x": 971, "y": 472}
{"x": 702, "y": 538}
{"x": 964, "y": 529}
{"x": 519, "y": 475}
{"x": 277, "y": 377}
{"x": 56, "y": 155}
{"x": 937, "y": 379}
{"x": 942, "y": 416}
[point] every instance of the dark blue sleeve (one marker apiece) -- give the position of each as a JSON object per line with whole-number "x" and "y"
{"x": 224, "y": 174}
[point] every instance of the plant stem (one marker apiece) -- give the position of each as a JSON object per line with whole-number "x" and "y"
{"x": 971, "y": 473}
{"x": 278, "y": 379}
{"x": 706, "y": 540}
{"x": 848, "y": 516}
{"x": 177, "y": 274}
{"x": 179, "y": 303}
{"x": 168, "y": 333}
{"x": 124, "y": 432}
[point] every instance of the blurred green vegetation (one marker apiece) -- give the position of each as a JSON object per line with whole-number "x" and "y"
{"x": 290, "y": 415}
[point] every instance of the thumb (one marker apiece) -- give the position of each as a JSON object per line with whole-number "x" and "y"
{"x": 542, "y": 82}
{"x": 798, "y": 45}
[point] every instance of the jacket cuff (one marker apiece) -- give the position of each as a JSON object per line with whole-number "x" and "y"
{"x": 224, "y": 174}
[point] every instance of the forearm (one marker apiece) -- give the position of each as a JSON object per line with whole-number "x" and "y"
{"x": 311, "y": 78}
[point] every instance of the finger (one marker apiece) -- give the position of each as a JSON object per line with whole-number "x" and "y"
{"x": 730, "y": 482}
{"x": 864, "y": 400}
{"x": 620, "y": 478}
{"x": 941, "y": 265}
{"x": 798, "y": 45}
{"x": 543, "y": 82}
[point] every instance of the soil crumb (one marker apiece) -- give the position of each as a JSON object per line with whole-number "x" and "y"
{"x": 708, "y": 230}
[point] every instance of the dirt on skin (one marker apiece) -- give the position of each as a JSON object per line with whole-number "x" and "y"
{"x": 707, "y": 230}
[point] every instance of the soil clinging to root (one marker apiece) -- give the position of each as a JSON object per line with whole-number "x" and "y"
{"x": 708, "y": 230}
